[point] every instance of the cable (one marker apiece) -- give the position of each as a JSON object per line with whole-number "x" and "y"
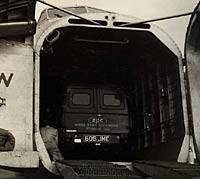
{"x": 158, "y": 19}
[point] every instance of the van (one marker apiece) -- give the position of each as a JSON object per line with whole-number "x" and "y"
{"x": 93, "y": 116}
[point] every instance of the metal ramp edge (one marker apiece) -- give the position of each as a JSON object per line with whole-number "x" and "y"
{"x": 168, "y": 169}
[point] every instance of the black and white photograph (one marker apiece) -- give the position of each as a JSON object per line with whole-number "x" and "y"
{"x": 99, "y": 89}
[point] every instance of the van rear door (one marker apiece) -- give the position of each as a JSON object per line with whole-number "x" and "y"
{"x": 80, "y": 111}
{"x": 113, "y": 112}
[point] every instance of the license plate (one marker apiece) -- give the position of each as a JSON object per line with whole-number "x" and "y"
{"x": 96, "y": 138}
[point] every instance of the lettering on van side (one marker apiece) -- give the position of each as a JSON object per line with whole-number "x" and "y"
{"x": 6, "y": 79}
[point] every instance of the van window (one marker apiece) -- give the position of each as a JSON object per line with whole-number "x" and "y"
{"x": 81, "y": 99}
{"x": 111, "y": 100}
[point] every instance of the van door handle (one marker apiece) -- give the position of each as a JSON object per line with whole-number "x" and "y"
{"x": 2, "y": 101}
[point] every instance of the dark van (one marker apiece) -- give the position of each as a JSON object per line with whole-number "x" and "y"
{"x": 94, "y": 115}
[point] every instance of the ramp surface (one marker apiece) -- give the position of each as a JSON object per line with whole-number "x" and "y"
{"x": 99, "y": 170}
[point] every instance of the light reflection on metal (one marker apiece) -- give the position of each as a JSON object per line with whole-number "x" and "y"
{"x": 102, "y": 41}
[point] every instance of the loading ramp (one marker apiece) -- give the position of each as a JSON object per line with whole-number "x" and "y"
{"x": 92, "y": 169}
{"x": 88, "y": 169}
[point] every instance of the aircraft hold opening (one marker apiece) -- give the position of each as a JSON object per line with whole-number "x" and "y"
{"x": 112, "y": 94}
